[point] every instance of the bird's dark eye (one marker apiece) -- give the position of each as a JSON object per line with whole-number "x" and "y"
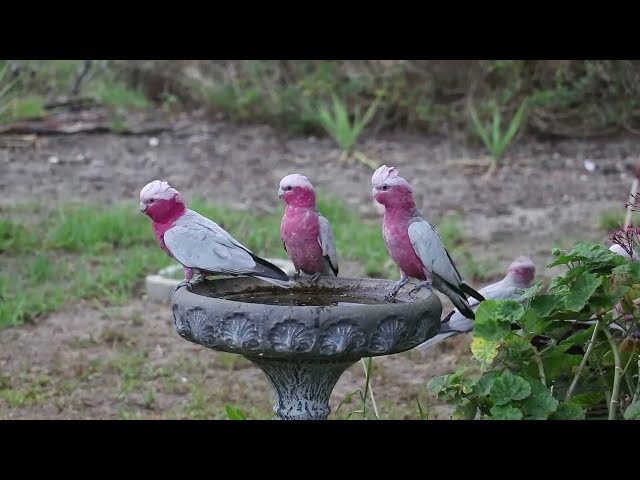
{"x": 289, "y": 187}
{"x": 385, "y": 187}
{"x": 152, "y": 200}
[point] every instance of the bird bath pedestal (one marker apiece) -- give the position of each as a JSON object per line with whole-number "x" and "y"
{"x": 304, "y": 338}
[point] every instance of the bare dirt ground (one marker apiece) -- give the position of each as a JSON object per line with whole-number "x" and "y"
{"x": 93, "y": 362}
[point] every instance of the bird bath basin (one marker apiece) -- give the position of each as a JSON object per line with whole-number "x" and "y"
{"x": 304, "y": 338}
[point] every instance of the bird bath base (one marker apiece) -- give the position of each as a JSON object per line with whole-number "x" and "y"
{"x": 302, "y": 388}
{"x": 304, "y": 338}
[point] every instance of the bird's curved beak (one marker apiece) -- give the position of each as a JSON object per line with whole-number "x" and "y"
{"x": 373, "y": 191}
{"x": 143, "y": 207}
{"x": 280, "y": 192}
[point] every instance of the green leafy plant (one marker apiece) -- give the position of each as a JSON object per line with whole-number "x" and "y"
{"x": 337, "y": 122}
{"x": 495, "y": 140}
{"x": 234, "y": 413}
{"x": 363, "y": 395}
{"x": 568, "y": 353}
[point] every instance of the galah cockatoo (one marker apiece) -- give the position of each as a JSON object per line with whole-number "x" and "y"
{"x": 200, "y": 244}
{"x": 519, "y": 276}
{"x": 615, "y": 248}
{"x": 306, "y": 235}
{"x": 415, "y": 245}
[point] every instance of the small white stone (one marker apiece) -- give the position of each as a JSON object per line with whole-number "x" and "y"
{"x": 154, "y": 142}
{"x": 589, "y": 165}
{"x": 54, "y": 160}
{"x": 184, "y": 379}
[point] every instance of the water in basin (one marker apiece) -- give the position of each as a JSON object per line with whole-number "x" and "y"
{"x": 304, "y": 298}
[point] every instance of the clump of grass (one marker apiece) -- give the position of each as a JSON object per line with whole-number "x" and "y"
{"x": 91, "y": 229}
{"x": 25, "y": 108}
{"x": 339, "y": 124}
{"x": 16, "y": 237}
{"x": 234, "y": 413}
{"x": 120, "y": 95}
{"x": 78, "y": 252}
{"x": 131, "y": 368}
{"x": 495, "y": 140}
{"x": 611, "y": 220}
{"x": 14, "y": 104}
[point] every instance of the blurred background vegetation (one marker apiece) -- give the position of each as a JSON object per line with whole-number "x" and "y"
{"x": 564, "y": 98}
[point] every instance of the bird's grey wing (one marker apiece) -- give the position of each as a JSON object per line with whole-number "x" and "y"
{"x": 328, "y": 243}
{"x": 204, "y": 248}
{"x": 434, "y": 256}
{"x": 194, "y": 217}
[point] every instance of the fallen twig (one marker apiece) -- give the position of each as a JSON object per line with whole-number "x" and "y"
{"x": 48, "y": 127}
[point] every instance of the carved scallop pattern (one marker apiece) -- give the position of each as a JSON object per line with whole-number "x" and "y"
{"x": 182, "y": 326}
{"x": 390, "y": 334}
{"x": 237, "y": 331}
{"x": 291, "y": 336}
{"x": 196, "y": 327}
{"x": 419, "y": 333}
{"x": 340, "y": 337}
{"x": 202, "y": 327}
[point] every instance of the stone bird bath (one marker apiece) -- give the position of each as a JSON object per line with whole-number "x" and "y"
{"x": 304, "y": 338}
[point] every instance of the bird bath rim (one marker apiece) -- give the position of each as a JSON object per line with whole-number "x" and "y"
{"x": 207, "y": 316}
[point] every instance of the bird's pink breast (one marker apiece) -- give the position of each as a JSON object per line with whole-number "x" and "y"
{"x": 395, "y": 230}
{"x": 159, "y": 230}
{"x": 300, "y": 230}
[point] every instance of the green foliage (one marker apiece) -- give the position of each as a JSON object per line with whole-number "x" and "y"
{"x": 234, "y": 413}
{"x": 567, "y": 98}
{"x": 24, "y": 92}
{"x": 118, "y": 94}
{"x": 495, "y": 140}
{"x": 337, "y": 122}
{"x": 364, "y": 410}
{"x": 611, "y": 221}
{"x": 633, "y": 411}
{"x": 27, "y": 107}
{"x": 553, "y": 354}
{"x": 13, "y": 105}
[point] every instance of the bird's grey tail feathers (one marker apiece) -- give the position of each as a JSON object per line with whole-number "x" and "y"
{"x": 279, "y": 283}
{"x": 437, "y": 339}
{"x": 268, "y": 269}
{"x": 463, "y": 306}
{"x": 456, "y": 295}
{"x": 471, "y": 292}
{"x": 447, "y": 330}
{"x": 328, "y": 268}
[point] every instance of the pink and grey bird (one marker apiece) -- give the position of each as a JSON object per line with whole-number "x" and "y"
{"x": 306, "y": 235}
{"x": 200, "y": 244}
{"x": 616, "y": 248}
{"x": 519, "y": 275}
{"x": 415, "y": 245}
